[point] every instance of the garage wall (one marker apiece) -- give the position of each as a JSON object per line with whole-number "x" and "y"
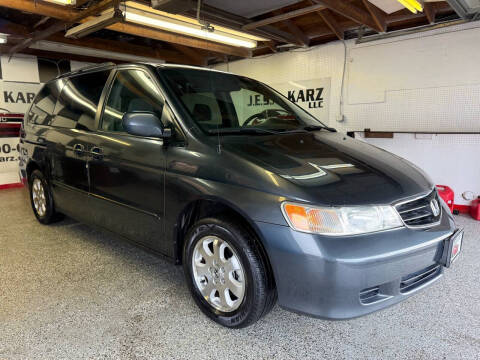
{"x": 423, "y": 82}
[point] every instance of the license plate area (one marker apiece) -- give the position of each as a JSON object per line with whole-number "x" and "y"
{"x": 452, "y": 248}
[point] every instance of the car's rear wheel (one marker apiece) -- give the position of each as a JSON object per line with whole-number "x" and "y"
{"x": 226, "y": 272}
{"x": 41, "y": 199}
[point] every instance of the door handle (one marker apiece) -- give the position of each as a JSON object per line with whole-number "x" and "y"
{"x": 79, "y": 149}
{"x": 97, "y": 153}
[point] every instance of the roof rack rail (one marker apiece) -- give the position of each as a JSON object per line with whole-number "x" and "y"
{"x": 86, "y": 68}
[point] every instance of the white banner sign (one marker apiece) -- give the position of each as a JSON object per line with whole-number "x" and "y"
{"x": 312, "y": 95}
{"x": 16, "y": 97}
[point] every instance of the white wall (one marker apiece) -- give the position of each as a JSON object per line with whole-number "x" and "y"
{"x": 428, "y": 81}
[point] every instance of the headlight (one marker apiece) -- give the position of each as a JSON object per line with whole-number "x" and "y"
{"x": 348, "y": 220}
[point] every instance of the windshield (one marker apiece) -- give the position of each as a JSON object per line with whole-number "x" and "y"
{"x": 229, "y": 103}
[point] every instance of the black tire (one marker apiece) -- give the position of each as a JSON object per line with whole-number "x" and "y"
{"x": 260, "y": 293}
{"x": 50, "y": 215}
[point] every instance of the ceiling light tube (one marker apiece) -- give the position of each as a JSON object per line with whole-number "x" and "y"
{"x": 162, "y": 22}
{"x": 3, "y": 39}
{"x": 63, "y": 2}
{"x": 97, "y": 23}
{"x": 416, "y": 4}
{"x": 408, "y": 6}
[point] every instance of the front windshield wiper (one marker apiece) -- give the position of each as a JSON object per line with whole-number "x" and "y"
{"x": 318, "y": 127}
{"x": 247, "y": 130}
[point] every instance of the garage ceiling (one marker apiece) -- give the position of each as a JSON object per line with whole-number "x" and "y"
{"x": 249, "y": 8}
{"x": 272, "y": 25}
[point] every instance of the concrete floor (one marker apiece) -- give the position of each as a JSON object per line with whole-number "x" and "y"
{"x": 68, "y": 291}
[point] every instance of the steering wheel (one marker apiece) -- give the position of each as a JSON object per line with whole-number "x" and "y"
{"x": 259, "y": 115}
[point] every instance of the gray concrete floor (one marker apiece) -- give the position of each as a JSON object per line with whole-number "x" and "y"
{"x": 70, "y": 292}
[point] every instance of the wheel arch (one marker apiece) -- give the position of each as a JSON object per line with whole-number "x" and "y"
{"x": 210, "y": 206}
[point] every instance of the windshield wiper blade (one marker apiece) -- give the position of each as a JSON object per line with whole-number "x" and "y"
{"x": 249, "y": 130}
{"x": 318, "y": 127}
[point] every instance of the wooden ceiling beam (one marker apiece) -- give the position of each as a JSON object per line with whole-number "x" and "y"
{"x": 300, "y": 37}
{"x": 236, "y": 22}
{"x": 119, "y": 47}
{"x": 283, "y": 16}
{"x": 61, "y": 25}
{"x": 351, "y": 12}
{"x": 377, "y": 15}
{"x": 430, "y": 11}
{"x": 69, "y": 15}
{"x": 329, "y": 19}
{"x": 193, "y": 55}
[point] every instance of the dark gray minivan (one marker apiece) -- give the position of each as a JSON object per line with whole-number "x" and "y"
{"x": 257, "y": 199}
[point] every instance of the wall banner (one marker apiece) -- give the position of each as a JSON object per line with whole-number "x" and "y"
{"x": 312, "y": 95}
{"x": 9, "y": 138}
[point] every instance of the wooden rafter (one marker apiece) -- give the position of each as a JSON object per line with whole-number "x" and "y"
{"x": 301, "y": 38}
{"x": 329, "y": 19}
{"x": 69, "y": 15}
{"x": 283, "y": 16}
{"x": 430, "y": 11}
{"x": 60, "y": 25}
{"x": 101, "y": 44}
{"x": 377, "y": 15}
{"x": 351, "y": 12}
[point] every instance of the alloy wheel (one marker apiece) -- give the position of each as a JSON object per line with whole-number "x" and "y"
{"x": 218, "y": 273}
{"x": 39, "y": 199}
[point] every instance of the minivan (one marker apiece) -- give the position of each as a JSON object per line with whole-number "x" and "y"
{"x": 259, "y": 202}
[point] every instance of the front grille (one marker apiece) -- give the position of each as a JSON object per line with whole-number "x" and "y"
{"x": 416, "y": 279}
{"x": 419, "y": 212}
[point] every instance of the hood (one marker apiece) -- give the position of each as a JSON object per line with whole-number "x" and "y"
{"x": 332, "y": 168}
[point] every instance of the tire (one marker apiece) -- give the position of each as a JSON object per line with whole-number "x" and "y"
{"x": 41, "y": 199}
{"x": 237, "y": 253}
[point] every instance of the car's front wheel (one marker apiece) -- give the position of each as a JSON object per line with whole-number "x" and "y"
{"x": 226, "y": 272}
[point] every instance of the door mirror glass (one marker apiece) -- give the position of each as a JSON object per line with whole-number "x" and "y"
{"x": 145, "y": 124}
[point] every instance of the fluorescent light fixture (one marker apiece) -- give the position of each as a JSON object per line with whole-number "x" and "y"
{"x": 413, "y": 5}
{"x": 175, "y": 25}
{"x": 95, "y": 24}
{"x": 63, "y": 2}
{"x": 3, "y": 39}
{"x": 86, "y": 51}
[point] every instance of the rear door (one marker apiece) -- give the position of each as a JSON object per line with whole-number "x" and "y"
{"x": 70, "y": 140}
{"x": 126, "y": 171}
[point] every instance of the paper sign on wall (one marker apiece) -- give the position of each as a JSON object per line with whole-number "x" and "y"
{"x": 312, "y": 95}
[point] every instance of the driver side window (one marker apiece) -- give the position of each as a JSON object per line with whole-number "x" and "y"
{"x": 132, "y": 90}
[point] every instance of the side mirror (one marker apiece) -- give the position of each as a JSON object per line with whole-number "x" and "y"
{"x": 145, "y": 124}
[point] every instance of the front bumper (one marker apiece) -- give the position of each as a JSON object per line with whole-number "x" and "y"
{"x": 345, "y": 277}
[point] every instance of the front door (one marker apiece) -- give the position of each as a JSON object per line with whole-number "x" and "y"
{"x": 126, "y": 171}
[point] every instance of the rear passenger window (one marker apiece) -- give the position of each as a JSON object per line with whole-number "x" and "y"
{"x": 42, "y": 108}
{"x": 77, "y": 105}
{"x": 132, "y": 90}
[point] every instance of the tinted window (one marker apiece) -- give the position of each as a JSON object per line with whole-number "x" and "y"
{"x": 77, "y": 105}
{"x": 44, "y": 103}
{"x": 218, "y": 100}
{"x": 132, "y": 90}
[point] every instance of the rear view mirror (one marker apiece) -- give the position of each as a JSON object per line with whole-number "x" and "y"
{"x": 145, "y": 124}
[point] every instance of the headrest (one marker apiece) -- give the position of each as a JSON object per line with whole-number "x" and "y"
{"x": 202, "y": 113}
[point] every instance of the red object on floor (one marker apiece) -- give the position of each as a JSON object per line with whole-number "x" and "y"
{"x": 11, "y": 186}
{"x": 447, "y": 195}
{"x": 475, "y": 209}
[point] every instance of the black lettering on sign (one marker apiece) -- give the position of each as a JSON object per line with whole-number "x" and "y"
{"x": 19, "y": 97}
{"x": 313, "y": 96}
